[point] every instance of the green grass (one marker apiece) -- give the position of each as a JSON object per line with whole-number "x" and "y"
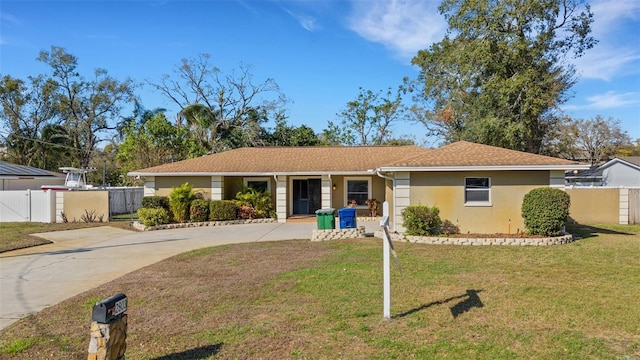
{"x": 303, "y": 300}
{"x": 16, "y": 235}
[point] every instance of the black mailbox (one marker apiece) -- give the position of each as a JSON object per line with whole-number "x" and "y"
{"x": 109, "y": 308}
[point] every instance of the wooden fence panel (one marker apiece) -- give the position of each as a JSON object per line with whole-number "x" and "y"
{"x": 634, "y": 206}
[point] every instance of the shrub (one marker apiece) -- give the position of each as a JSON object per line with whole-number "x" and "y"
{"x": 421, "y": 220}
{"x": 180, "y": 201}
{"x": 155, "y": 202}
{"x": 153, "y": 216}
{"x": 199, "y": 210}
{"x": 222, "y": 210}
{"x": 545, "y": 211}
{"x": 253, "y": 203}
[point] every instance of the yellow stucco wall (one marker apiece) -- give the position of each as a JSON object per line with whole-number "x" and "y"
{"x": 76, "y": 203}
{"x": 594, "y": 205}
{"x": 201, "y": 184}
{"x": 446, "y": 191}
{"x": 338, "y": 201}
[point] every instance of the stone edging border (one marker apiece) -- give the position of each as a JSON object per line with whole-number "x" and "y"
{"x": 141, "y": 227}
{"x": 543, "y": 241}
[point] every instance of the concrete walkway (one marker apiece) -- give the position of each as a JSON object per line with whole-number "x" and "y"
{"x": 78, "y": 260}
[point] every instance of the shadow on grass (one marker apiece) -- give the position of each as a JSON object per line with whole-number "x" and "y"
{"x": 471, "y": 300}
{"x": 202, "y": 352}
{"x": 587, "y": 231}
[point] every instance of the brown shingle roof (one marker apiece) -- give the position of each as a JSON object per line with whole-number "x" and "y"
{"x": 291, "y": 160}
{"x": 465, "y": 154}
{"x": 314, "y": 160}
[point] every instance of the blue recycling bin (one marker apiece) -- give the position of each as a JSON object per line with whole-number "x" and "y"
{"x": 347, "y": 218}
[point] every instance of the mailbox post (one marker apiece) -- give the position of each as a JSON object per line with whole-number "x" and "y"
{"x": 109, "y": 329}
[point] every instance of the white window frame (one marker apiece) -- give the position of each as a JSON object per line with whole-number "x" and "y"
{"x": 257, "y": 179}
{"x": 488, "y": 190}
{"x": 346, "y": 189}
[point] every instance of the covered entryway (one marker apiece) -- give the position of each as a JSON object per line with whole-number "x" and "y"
{"x": 306, "y": 196}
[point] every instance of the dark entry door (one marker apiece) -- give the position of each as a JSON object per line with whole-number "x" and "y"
{"x": 306, "y": 196}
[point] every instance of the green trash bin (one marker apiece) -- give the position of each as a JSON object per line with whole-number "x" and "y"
{"x": 325, "y": 218}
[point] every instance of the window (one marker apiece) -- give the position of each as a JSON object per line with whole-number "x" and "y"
{"x": 260, "y": 184}
{"x": 358, "y": 189}
{"x": 477, "y": 191}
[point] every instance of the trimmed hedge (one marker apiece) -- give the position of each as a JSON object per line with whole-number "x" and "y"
{"x": 199, "y": 210}
{"x": 153, "y": 216}
{"x": 545, "y": 211}
{"x": 222, "y": 210}
{"x": 155, "y": 202}
{"x": 421, "y": 220}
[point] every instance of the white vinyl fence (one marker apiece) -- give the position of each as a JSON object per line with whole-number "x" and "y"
{"x": 27, "y": 206}
{"x": 40, "y": 206}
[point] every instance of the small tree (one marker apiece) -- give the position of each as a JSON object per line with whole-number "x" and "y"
{"x": 421, "y": 220}
{"x": 253, "y": 203}
{"x": 545, "y": 211}
{"x": 180, "y": 201}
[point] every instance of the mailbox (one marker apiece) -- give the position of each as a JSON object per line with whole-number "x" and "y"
{"x": 109, "y": 308}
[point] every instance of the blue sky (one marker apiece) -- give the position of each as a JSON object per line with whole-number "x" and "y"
{"x": 319, "y": 52}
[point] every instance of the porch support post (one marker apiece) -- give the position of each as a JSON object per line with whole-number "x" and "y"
{"x": 217, "y": 188}
{"x": 326, "y": 191}
{"x": 281, "y": 197}
{"x": 402, "y": 198}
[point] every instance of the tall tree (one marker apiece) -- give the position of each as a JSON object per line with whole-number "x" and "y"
{"x": 595, "y": 140}
{"x": 368, "y": 120}
{"x": 89, "y": 109}
{"x": 28, "y": 109}
{"x": 288, "y": 135}
{"x": 502, "y": 69}
{"x": 154, "y": 142}
{"x": 236, "y": 106}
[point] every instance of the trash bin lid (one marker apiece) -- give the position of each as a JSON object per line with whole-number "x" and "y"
{"x": 325, "y": 211}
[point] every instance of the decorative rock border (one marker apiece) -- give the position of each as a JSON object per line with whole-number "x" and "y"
{"x": 542, "y": 241}
{"x": 138, "y": 226}
{"x": 337, "y": 234}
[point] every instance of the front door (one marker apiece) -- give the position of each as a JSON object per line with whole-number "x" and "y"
{"x": 306, "y": 196}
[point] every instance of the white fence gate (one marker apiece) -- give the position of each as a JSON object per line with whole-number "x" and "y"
{"x": 27, "y": 205}
{"x": 125, "y": 200}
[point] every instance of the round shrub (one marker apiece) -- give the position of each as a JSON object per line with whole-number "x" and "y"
{"x": 222, "y": 210}
{"x": 421, "y": 220}
{"x": 199, "y": 210}
{"x": 153, "y": 216}
{"x": 545, "y": 211}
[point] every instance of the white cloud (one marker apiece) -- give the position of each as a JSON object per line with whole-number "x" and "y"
{"x": 617, "y": 53}
{"x": 608, "y": 100}
{"x": 404, "y": 26}
{"x": 308, "y": 23}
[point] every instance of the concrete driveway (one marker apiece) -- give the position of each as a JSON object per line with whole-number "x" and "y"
{"x": 78, "y": 260}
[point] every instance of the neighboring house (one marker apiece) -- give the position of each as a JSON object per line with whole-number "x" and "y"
{"x": 20, "y": 177}
{"x": 621, "y": 172}
{"x": 590, "y": 177}
{"x": 477, "y": 187}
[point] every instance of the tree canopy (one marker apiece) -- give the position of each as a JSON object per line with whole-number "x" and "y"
{"x": 502, "y": 70}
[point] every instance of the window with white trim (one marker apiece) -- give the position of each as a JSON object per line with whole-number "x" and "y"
{"x": 258, "y": 183}
{"x": 358, "y": 189}
{"x": 477, "y": 191}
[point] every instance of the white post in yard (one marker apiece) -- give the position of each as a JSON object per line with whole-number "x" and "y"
{"x": 386, "y": 271}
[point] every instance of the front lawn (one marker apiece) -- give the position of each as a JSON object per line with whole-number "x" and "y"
{"x": 323, "y": 300}
{"x": 17, "y": 235}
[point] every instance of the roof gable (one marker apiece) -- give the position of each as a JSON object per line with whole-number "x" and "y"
{"x": 631, "y": 161}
